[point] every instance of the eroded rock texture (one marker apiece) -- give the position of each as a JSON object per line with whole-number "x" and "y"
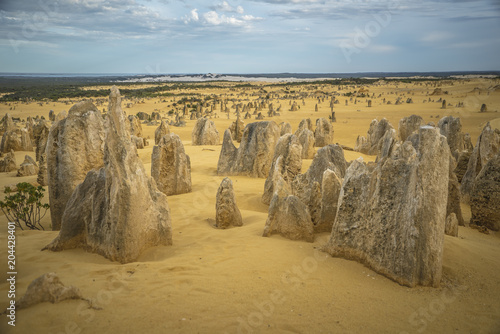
{"x": 226, "y": 211}
{"x": 171, "y": 166}
{"x": 255, "y": 154}
{"x": 393, "y": 219}
{"x": 287, "y": 215}
{"x": 117, "y": 211}
{"x": 205, "y": 133}
{"x": 370, "y": 144}
{"x": 323, "y": 135}
{"x": 75, "y": 145}
{"x": 290, "y": 150}
{"x": 160, "y": 131}
{"x": 487, "y": 146}
{"x": 485, "y": 196}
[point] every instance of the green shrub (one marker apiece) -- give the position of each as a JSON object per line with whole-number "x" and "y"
{"x": 24, "y": 205}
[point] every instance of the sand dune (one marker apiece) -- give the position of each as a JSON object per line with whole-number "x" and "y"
{"x": 235, "y": 281}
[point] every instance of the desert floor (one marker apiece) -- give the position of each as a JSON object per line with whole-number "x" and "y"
{"x": 236, "y": 281}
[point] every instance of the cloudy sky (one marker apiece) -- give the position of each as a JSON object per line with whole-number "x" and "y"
{"x": 258, "y": 36}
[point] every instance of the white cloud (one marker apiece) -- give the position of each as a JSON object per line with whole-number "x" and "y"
{"x": 381, "y": 48}
{"x": 194, "y": 15}
{"x": 240, "y": 10}
{"x": 213, "y": 18}
{"x": 436, "y": 36}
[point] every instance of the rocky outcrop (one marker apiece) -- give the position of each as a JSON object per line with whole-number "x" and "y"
{"x": 8, "y": 163}
{"x": 42, "y": 171}
{"x": 162, "y": 130}
{"x": 453, "y": 206}
{"x": 28, "y": 167}
{"x": 117, "y": 211}
{"x": 330, "y": 191}
{"x": 485, "y": 196}
{"x": 451, "y": 128}
{"x": 307, "y": 186}
{"x": 409, "y": 125}
{"x": 75, "y": 145}
{"x": 7, "y": 124}
{"x": 290, "y": 150}
{"x": 323, "y": 135}
{"x": 226, "y": 211}
{"x": 287, "y": 215}
{"x": 371, "y": 144}
{"x": 487, "y": 146}
{"x": 255, "y": 154}
{"x": 285, "y": 128}
{"x": 451, "y": 225}
{"x": 304, "y": 124}
{"x": 41, "y": 134}
{"x": 205, "y": 133}
{"x": 392, "y": 219}
{"x": 237, "y": 128}
{"x": 306, "y": 140}
{"x": 16, "y": 140}
{"x": 47, "y": 288}
{"x": 171, "y": 166}
{"x": 134, "y": 126}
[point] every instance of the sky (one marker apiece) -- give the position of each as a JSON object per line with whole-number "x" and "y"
{"x": 257, "y": 36}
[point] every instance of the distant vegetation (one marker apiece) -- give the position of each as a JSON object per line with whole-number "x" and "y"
{"x": 53, "y": 89}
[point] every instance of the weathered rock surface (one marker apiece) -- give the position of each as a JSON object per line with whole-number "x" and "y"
{"x": 451, "y": 128}
{"x": 171, "y": 166}
{"x": 255, "y": 154}
{"x": 42, "y": 171}
{"x": 307, "y": 186}
{"x": 7, "y": 124}
{"x": 47, "y": 288}
{"x": 451, "y": 226}
{"x": 205, "y": 133}
{"x": 330, "y": 191}
{"x": 323, "y": 135}
{"x": 134, "y": 126}
{"x": 485, "y": 196}
{"x": 41, "y": 134}
{"x": 453, "y": 206}
{"x": 285, "y": 128}
{"x": 117, "y": 211}
{"x": 75, "y": 146}
{"x": 8, "y": 164}
{"x": 237, "y": 128}
{"x": 226, "y": 211}
{"x": 370, "y": 144}
{"x": 393, "y": 219}
{"x": 306, "y": 140}
{"x": 304, "y": 124}
{"x": 162, "y": 130}
{"x": 289, "y": 148}
{"x": 408, "y": 125}
{"x": 28, "y": 167}
{"x": 16, "y": 140}
{"x": 487, "y": 146}
{"x": 287, "y": 215}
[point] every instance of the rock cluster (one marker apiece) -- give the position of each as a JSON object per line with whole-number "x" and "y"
{"x": 8, "y": 163}
{"x": 371, "y": 144}
{"x": 117, "y": 211}
{"x": 28, "y": 167}
{"x": 255, "y": 154}
{"x": 393, "y": 218}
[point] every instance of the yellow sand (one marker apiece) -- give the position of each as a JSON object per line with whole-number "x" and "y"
{"x": 230, "y": 281}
